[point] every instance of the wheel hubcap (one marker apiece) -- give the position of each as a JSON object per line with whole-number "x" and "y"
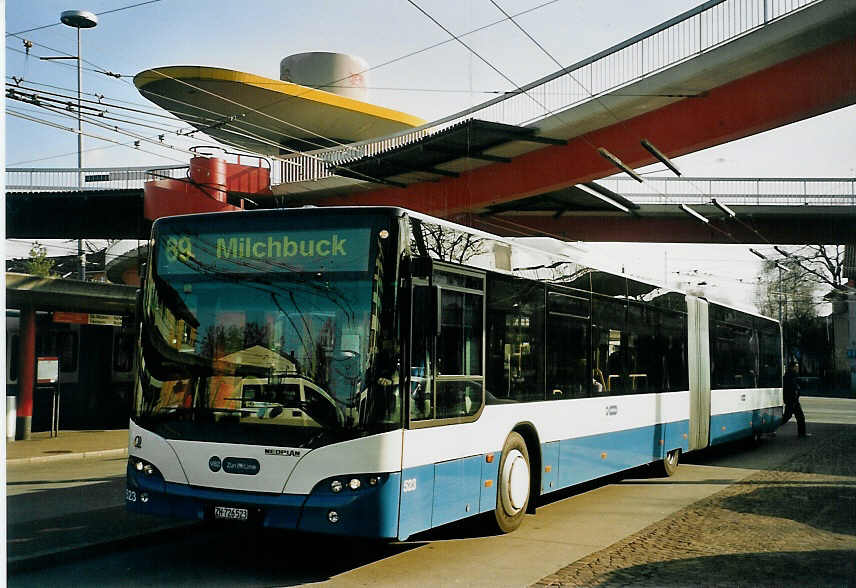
{"x": 515, "y": 474}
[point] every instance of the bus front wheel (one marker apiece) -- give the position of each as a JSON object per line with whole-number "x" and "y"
{"x": 513, "y": 484}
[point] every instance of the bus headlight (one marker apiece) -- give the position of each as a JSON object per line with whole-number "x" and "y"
{"x": 333, "y": 517}
{"x": 144, "y": 467}
{"x": 357, "y": 483}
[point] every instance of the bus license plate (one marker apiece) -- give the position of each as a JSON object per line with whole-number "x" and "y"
{"x": 231, "y": 514}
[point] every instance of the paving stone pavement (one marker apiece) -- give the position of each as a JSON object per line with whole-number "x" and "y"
{"x": 791, "y": 526}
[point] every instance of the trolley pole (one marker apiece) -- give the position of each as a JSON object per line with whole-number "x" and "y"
{"x": 780, "y": 294}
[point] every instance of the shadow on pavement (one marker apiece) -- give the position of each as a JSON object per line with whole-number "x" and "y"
{"x": 234, "y": 555}
{"x": 829, "y": 508}
{"x": 98, "y": 493}
{"x": 783, "y": 451}
{"x": 476, "y": 527}
{"x": 780, "y": 568}
{"x": 247, "y": 556}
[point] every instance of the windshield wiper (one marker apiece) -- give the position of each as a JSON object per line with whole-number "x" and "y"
{"x": 324, "y": 437}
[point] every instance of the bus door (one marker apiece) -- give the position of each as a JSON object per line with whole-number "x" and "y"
{"x": 441, "y": 475}
{"x": 699, "y": 367}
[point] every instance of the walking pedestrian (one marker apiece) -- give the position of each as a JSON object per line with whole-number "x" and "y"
{"x": 791, "y": 392}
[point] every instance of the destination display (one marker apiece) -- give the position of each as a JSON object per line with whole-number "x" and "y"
{"x": 317, "y": 250}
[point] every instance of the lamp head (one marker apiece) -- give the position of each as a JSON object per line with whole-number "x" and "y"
{"x": 79, "y": 19}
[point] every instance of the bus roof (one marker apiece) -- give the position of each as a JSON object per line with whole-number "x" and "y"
{"x": 513, "y": 242}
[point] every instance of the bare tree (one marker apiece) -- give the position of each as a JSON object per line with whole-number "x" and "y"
{"x": 448, "y": 244}
{"x": 787, "y": 292}
{"x": 792, "y": 286}
{"x": 822, "y": 264}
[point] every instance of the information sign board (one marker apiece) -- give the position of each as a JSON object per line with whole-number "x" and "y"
{"x": 112, "y": 320}
{"x": 88, "y": 318}
{"x": 47, "y": 370}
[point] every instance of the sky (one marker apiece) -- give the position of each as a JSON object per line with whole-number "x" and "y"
{"x": 254, "y": 36}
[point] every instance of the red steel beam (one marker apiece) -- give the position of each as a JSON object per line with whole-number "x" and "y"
{"x": 806, "y": 86}
{"x": 785, "y": 229}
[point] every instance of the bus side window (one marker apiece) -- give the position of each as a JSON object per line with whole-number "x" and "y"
{"x": 515, "y": 339}
{"x": 567, "y": 347}
{"x": 609, "y": 346}
{"x": 770, "y": 354}
{"x": 459, "y": 355}
{"x": 644, "y": 365}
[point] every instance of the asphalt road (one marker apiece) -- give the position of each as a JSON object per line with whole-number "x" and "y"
{"x": 61, "y": 488}
{"x": 570, "y": 527}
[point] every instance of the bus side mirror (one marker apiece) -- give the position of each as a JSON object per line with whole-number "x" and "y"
{"x": 422, "y": 267}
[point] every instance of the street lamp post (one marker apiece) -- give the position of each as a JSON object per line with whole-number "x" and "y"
{"x": 79, "y": 19}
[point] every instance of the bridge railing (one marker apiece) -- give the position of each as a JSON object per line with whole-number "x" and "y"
{"x": 737, "y": 191}
{"x": 45, "y": 179}
{"x": 694, "y": 32}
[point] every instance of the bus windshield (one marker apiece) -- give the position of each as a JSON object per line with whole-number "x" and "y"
{"x": 273, "y": 331}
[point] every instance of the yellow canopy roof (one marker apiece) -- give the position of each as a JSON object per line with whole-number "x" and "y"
{"x": 264, "y": 115}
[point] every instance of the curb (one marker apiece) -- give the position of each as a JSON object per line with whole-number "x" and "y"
{"x": 68, "y": 456}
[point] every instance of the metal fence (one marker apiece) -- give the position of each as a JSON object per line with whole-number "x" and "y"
{"x": 692, "y": 33}
{"x": 737, "y": 191}
{"x": 43, "y": 179}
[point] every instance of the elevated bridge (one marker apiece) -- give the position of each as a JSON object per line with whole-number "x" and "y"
{"x": 722, "y": 71}
{"x": 92, "y": 203}
{"x": 775, "y": 210}
{"x": 780, "y": 210}
{"x": 525, "y": 162}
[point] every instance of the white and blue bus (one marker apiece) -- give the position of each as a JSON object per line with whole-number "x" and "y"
{"x": 379, "y": 372}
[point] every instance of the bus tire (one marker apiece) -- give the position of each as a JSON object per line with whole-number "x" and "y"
{"x": 513, "y": 484}
{"x": 669, "y": 465}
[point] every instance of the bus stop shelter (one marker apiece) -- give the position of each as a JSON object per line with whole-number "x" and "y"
{"x": 72, "y": 301}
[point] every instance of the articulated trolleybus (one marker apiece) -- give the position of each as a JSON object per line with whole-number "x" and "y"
{"x": 379, "y": 372}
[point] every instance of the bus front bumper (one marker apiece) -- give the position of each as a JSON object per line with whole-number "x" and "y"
{"x": 371, "y": 510}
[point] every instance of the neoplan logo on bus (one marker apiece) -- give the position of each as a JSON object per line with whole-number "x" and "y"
{"x": 283, "y": 452}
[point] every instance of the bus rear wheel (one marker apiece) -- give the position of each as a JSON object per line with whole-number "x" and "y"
{"x": 513, "y": 484}
{"x": 669, "y": 465}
